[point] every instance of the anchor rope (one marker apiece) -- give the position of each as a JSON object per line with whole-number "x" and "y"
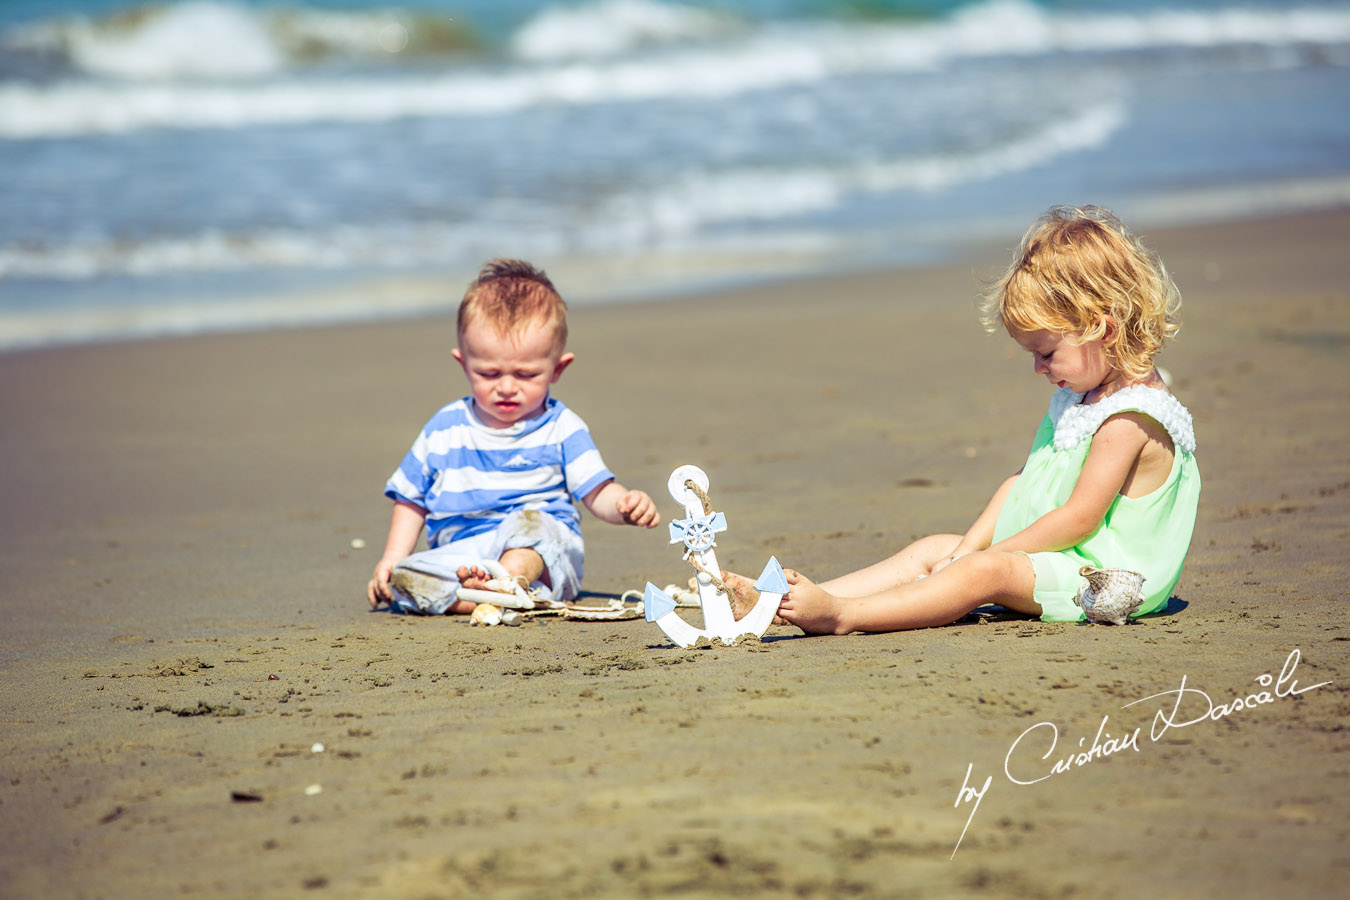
{"x": 700, "y": 494}
{"x": 707, "y": 510}
{"x": 716, "y": 582}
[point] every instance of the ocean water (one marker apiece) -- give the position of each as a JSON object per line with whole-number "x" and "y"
{"x": 189, "y": 165}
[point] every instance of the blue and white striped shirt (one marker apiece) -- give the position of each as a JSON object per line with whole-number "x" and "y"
{"x": 469, "y": 477}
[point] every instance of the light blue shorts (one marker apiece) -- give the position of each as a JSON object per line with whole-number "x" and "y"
{"x": 426, "y": 584}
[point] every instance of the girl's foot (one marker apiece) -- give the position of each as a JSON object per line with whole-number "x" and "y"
{"x": 810, "y": 607}
{"x": 743, "y": 596}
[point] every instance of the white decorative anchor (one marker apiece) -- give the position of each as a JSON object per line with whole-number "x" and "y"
{"x": 689, "y": 486}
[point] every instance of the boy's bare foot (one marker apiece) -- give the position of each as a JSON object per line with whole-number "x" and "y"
{"x": 810, "y": 607}
{"x": 472, "y": 577}
{"x": 743, "y": 596}
{"x": 523, "y": 564}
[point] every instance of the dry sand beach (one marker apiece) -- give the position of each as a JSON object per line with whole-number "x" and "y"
{"x": 184, "y": 619}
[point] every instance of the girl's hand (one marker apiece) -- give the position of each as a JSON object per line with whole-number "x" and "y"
{"x": 944, "y": 563}
{"x": 637, "y": 508}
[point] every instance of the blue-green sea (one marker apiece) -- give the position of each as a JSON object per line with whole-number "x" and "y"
{"x": 198, "y": 164}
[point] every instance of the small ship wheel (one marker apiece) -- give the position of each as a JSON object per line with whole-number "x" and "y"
{"x": 698, "y": 536}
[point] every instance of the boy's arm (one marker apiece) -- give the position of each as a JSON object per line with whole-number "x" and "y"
{"x": 1115, "y": 449}
{"x": 405, "y": 527}
{"x": 613, "y": 503}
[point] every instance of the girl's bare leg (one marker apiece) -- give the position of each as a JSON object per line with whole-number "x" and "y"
{"x": 902, "y": 568}
{"x": 969, "y": 583}
{"x": 906, "y": 566}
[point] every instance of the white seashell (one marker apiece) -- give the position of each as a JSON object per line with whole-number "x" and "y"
{"x": 486, "y": 614}
{"x": 317, "y": 748}
{"x": 506, "y": 591}
{"x": 683, "y": 596}
{"x": 313, "y": 790}
{"x": 358, "y": 544}
{"x": 1108, "y": 596}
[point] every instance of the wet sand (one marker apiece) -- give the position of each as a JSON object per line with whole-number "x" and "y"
{"x": 185, "y": 620}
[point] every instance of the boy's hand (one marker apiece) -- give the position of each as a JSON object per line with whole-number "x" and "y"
{"x": 613, "y": 503}
{"x": 405, "y": 525}
{"x": 377, "y": 591}
{"x": 637, "y": 508}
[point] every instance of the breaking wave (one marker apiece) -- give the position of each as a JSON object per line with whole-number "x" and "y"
{"x": 200, "y": 64}
{"x": 210, "y": 39}
{"x": 688, "y": 203}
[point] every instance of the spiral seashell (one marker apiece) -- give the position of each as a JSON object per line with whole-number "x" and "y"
{"x": 486, "y": 614}
{"x": 1108, "y": 596}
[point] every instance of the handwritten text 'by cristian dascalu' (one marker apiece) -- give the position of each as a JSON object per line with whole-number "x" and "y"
{"x": 1180, "y": 707}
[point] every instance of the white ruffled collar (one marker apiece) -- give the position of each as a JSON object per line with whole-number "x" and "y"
{"x": 1075, "y": 422}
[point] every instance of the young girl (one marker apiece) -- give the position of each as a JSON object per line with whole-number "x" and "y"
{"x": 1111, "y": 480}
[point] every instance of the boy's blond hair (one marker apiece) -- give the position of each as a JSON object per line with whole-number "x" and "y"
{"x": 1076, "y": 266}
{"x": 509, "y": 294}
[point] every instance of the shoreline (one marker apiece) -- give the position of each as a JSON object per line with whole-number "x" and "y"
{"x": 243, "y": 303}
{"x": 179, "y": 527}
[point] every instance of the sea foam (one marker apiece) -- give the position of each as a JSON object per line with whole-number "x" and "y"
{"x": 245, "y": 75}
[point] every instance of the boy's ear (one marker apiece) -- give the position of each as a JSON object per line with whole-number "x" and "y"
{"x": 459, "y": 357}
{"x": 563, "y": 362}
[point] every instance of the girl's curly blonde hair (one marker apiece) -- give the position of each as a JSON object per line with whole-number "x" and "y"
{"x": 1074, "y": 268}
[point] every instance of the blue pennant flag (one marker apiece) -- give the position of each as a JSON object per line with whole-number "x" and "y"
{"x": 656, "y": 603}
{"x": 773, "y": 581}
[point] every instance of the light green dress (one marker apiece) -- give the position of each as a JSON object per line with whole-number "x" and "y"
{"x": 1148, "y": 534}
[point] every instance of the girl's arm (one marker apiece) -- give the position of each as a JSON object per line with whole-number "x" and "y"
{"x": 1115, "y": 450}
{"x": 613, "y": 503}
{"x": 981, "y": 533}
{"x": 405, "y": 527}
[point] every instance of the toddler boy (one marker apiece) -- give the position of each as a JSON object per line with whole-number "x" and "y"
{"x": 492, "y": 475}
